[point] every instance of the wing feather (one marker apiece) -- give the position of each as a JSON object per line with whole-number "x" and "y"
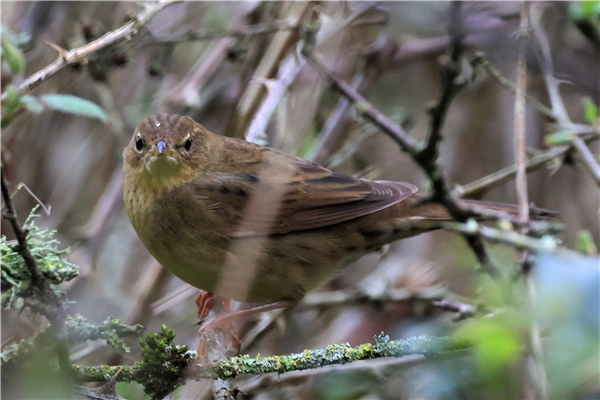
{"x": 294, "y": 195}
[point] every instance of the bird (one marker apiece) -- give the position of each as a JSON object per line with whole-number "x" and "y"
{"x": 253, "y": 224}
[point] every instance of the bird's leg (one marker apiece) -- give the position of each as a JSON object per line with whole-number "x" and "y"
{"x": 227, "y": 318}
{"x": 204, "y": 301}
{"x": 215, "y": 338}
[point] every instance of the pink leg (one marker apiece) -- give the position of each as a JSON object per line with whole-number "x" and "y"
{"x": 226, "y": 319}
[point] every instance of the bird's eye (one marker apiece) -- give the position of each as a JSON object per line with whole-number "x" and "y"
{"x": 188, "y": 144}
{"x": 139, "y": 143}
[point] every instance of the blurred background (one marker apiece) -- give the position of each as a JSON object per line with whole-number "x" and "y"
{"x": 389, "y": 51}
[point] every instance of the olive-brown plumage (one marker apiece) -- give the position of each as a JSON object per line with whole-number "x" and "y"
{"x": 251, "y": 223}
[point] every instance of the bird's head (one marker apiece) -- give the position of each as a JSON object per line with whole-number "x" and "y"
{"x": 166, "y": 150}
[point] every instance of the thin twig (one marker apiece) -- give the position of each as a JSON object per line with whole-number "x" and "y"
{"x": 521, "y": 180}
{"x": 124, "y": 33}
{"x": 342, "y": 297}
{"x": 558, "y": 107}
{"x": 480, "y": 186}
{"x": 23, "y": 248}
{"x": 276, "y": 90}
{"x": 480, "y": 59}
{"x": 464, "y": 310}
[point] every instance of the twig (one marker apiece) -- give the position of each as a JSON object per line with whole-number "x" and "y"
{"x": 558, "y": 106}
{"x": 480, "y": 59}
{"x": 519, "y": 126}
{"x": 23, "y": 185}
{"x": 342, "y": 297}
{"x": 464, "y": 310}
{"x": 480, "y": 186}
{"x": 544, "y": 245}
{"x": 276, "y": 89}
{"x": 124, "y": 33}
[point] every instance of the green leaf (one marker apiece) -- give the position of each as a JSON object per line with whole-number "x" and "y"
{"x": 558, "y": 138}
{"x": 32, "y": 104}
{"x": 6, "y": 121}
{"x": 12, "y": 100}
{"x": 496, "y": 345}
{"x": 585, "y": 243}
{"x": 590, "y": 111}
{"x": 13, "y": 57}
{"x": 74, "y": 105}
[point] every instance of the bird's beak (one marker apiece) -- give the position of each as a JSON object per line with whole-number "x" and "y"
{"x": 161, "y": 146}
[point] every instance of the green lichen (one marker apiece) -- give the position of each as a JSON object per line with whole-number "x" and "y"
{"x": 162, "y": 367}
{"x": 334, "y": 354}
{"x": 15, "y": 276}
{"x": 166, "y": 366}
{"x": 111, "y": 330}
{"x": 102, "y": 373}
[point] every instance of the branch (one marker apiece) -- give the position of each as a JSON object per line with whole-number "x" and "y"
{"x": 519, "y": 124}
{"x": 480, "y": 59}
{"x": 124, "y": 33}
{"x": 543, "y": 245}
{"x": 342, "y": 297}
{"x": 309, "y": 359}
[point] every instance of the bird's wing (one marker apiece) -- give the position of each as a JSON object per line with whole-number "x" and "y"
{"x": 295, "y": 195}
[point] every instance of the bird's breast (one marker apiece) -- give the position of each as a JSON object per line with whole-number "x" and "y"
{"x": 179, "y": 231}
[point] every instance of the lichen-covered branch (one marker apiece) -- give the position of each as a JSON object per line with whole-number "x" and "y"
{"x": 46, "y": 301}
{"x": 78, "y": 329}
{"x": 124, "y": 33}
{"x": 165, "y": 370}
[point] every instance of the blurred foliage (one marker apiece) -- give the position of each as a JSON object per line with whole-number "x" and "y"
{"x": 590, "y": 110}
{"x": 78, "y": 330}
{"x": 584, "y": 10}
